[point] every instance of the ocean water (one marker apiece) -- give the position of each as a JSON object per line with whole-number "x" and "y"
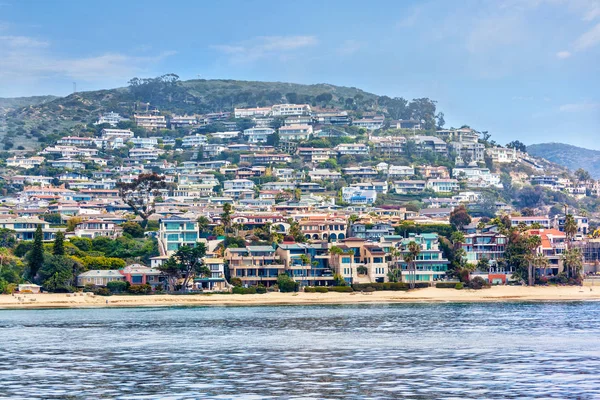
{"x": 409, "y": 351}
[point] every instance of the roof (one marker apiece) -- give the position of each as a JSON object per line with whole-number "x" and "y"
{"x": 99, "y": 273}
{"x": 260, "y": 248}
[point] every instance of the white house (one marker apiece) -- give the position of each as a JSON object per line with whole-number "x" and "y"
{"x": 282, "y": 110}
{"x": 196, "y": 140}
{"x": 238, "y": 184}
{"x": 355, "y": 195}
{"x": 442, "y": 185}
{"x": 295, "y": 132}
{"x": 258, "y": 135}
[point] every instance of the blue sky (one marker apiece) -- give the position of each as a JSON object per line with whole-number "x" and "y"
{"x": 521, "y": 69}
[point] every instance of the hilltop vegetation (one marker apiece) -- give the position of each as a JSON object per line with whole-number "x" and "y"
{"x": 169, "y": 95}
{"x": 572, "y": 157}
{"x": 7, "y": 104}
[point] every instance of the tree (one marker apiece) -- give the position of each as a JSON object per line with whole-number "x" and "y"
{"x": 7, "y": 238}
{"x": 573, "y": 261}
{"x": 36, "y": 257}
{"x": 440, "y": 120}
{"x": 582, "y": 175}
{"x": 186, "y": 263}
{"x": 273, "y": 139}
{"x": 203, "y": 224}
{"x": 58, "y": 273}
{"x": 570, "y": 228}
{"x": 141, "y": 192}
{"x": 410, "y": 259}
{"x": 133, "y": 228}
{"x": 295, "y": 231}
{"x": 519, "y": 146}
{"x": 226, "y": 217}
{"x": 72, "y": 223}
{"x": 58, "y": 248}
{"x": 460, "y": 217}
{"x": 532, "y": 257}
{"x": 286, "y": 284}
{"x": 483, "y": 264}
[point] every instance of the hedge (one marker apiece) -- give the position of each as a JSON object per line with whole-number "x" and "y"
{"x": 117, "y": 286}
{"x": 388, "y": 286}
{"x": 243, "y": 290}
{"x": 446, "y": 285}
{"x": 140, "y": 289}
{"x": 309, "y": 289}
{"x": 340, "y": 289}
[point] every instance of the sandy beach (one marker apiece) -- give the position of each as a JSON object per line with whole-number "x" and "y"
{"x": 501, "y": 293}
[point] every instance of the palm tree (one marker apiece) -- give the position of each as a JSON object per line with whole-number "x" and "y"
{"x": 573, "y": 261}
{"x": 536, "y": 261}
{"x": 570, "y": 229}
{"x": 410, "y": 258}
{"x": 395, "y": 273}
{"x": 533, "y": 243}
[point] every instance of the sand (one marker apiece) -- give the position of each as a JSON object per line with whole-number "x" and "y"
{"x": 499, "y": 293}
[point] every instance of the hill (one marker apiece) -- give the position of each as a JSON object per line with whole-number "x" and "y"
{"x": 7, "y": 104}
{"x": 169, "y": 95}
{"x": 572, "y": 157}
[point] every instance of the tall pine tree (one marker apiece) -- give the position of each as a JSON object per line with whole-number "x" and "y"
{"x": 58, "y": 249}
{"x": 36, "y": 257}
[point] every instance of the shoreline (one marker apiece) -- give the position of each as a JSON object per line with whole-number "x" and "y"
{"x": 428, "y": 295}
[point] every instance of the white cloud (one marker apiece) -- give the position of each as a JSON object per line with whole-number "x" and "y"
{"x": 265, "y": 47}
{"x": 29, "y": 60}
{"x": 21, "y": 41}
{"x": 563, "y": 54}
{"x": 589, "y": 39}
{"x": 579, "y": 107}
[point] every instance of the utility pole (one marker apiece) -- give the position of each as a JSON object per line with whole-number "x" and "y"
{"x": 74, "y": 87}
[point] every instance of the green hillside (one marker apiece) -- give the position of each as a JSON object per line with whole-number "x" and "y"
{"x": 7, "y": 104}
{"x": 572, "y": 157}
{"x": 66, "y": 115}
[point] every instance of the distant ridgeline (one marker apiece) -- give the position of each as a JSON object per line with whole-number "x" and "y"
{"x": 572, "y": 157}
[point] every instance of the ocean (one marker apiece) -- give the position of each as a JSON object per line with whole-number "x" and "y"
{"x": 410, "y": 351}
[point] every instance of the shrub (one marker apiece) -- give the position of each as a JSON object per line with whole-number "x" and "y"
{"x": 22, "y": 248}
{"x": 140, "y": 289}
{"x": 117, "y": 286}
{"x": 243, "y": 290}
{"x": 102, "y": 291}
{"x": 133, "y": 228}
{"x": 380, "y": 286}
{"x": 362, "y": 270}
{"x": 237, "y": 282}
{"x": 89, "y": 287}
{"x": 323, "y": 289}
{"x": 309, "y": 289}
{"x": 260, "y": 289}
{"x": 91, "y": 262}
{"x": 287, "y": 284}
{"x": 83, "y": 244}
{"x": 478, "y": 283}
{"x": 458, "y": 286}
{"x": 340, "y": 289}
{"x": 445, "y": 285}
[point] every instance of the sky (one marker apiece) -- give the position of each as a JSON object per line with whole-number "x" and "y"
{"x": 524, "y": 70}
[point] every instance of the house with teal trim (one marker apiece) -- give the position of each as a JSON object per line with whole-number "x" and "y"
{"x": 175, "y": 232}
{"x": 430, "y": 262}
